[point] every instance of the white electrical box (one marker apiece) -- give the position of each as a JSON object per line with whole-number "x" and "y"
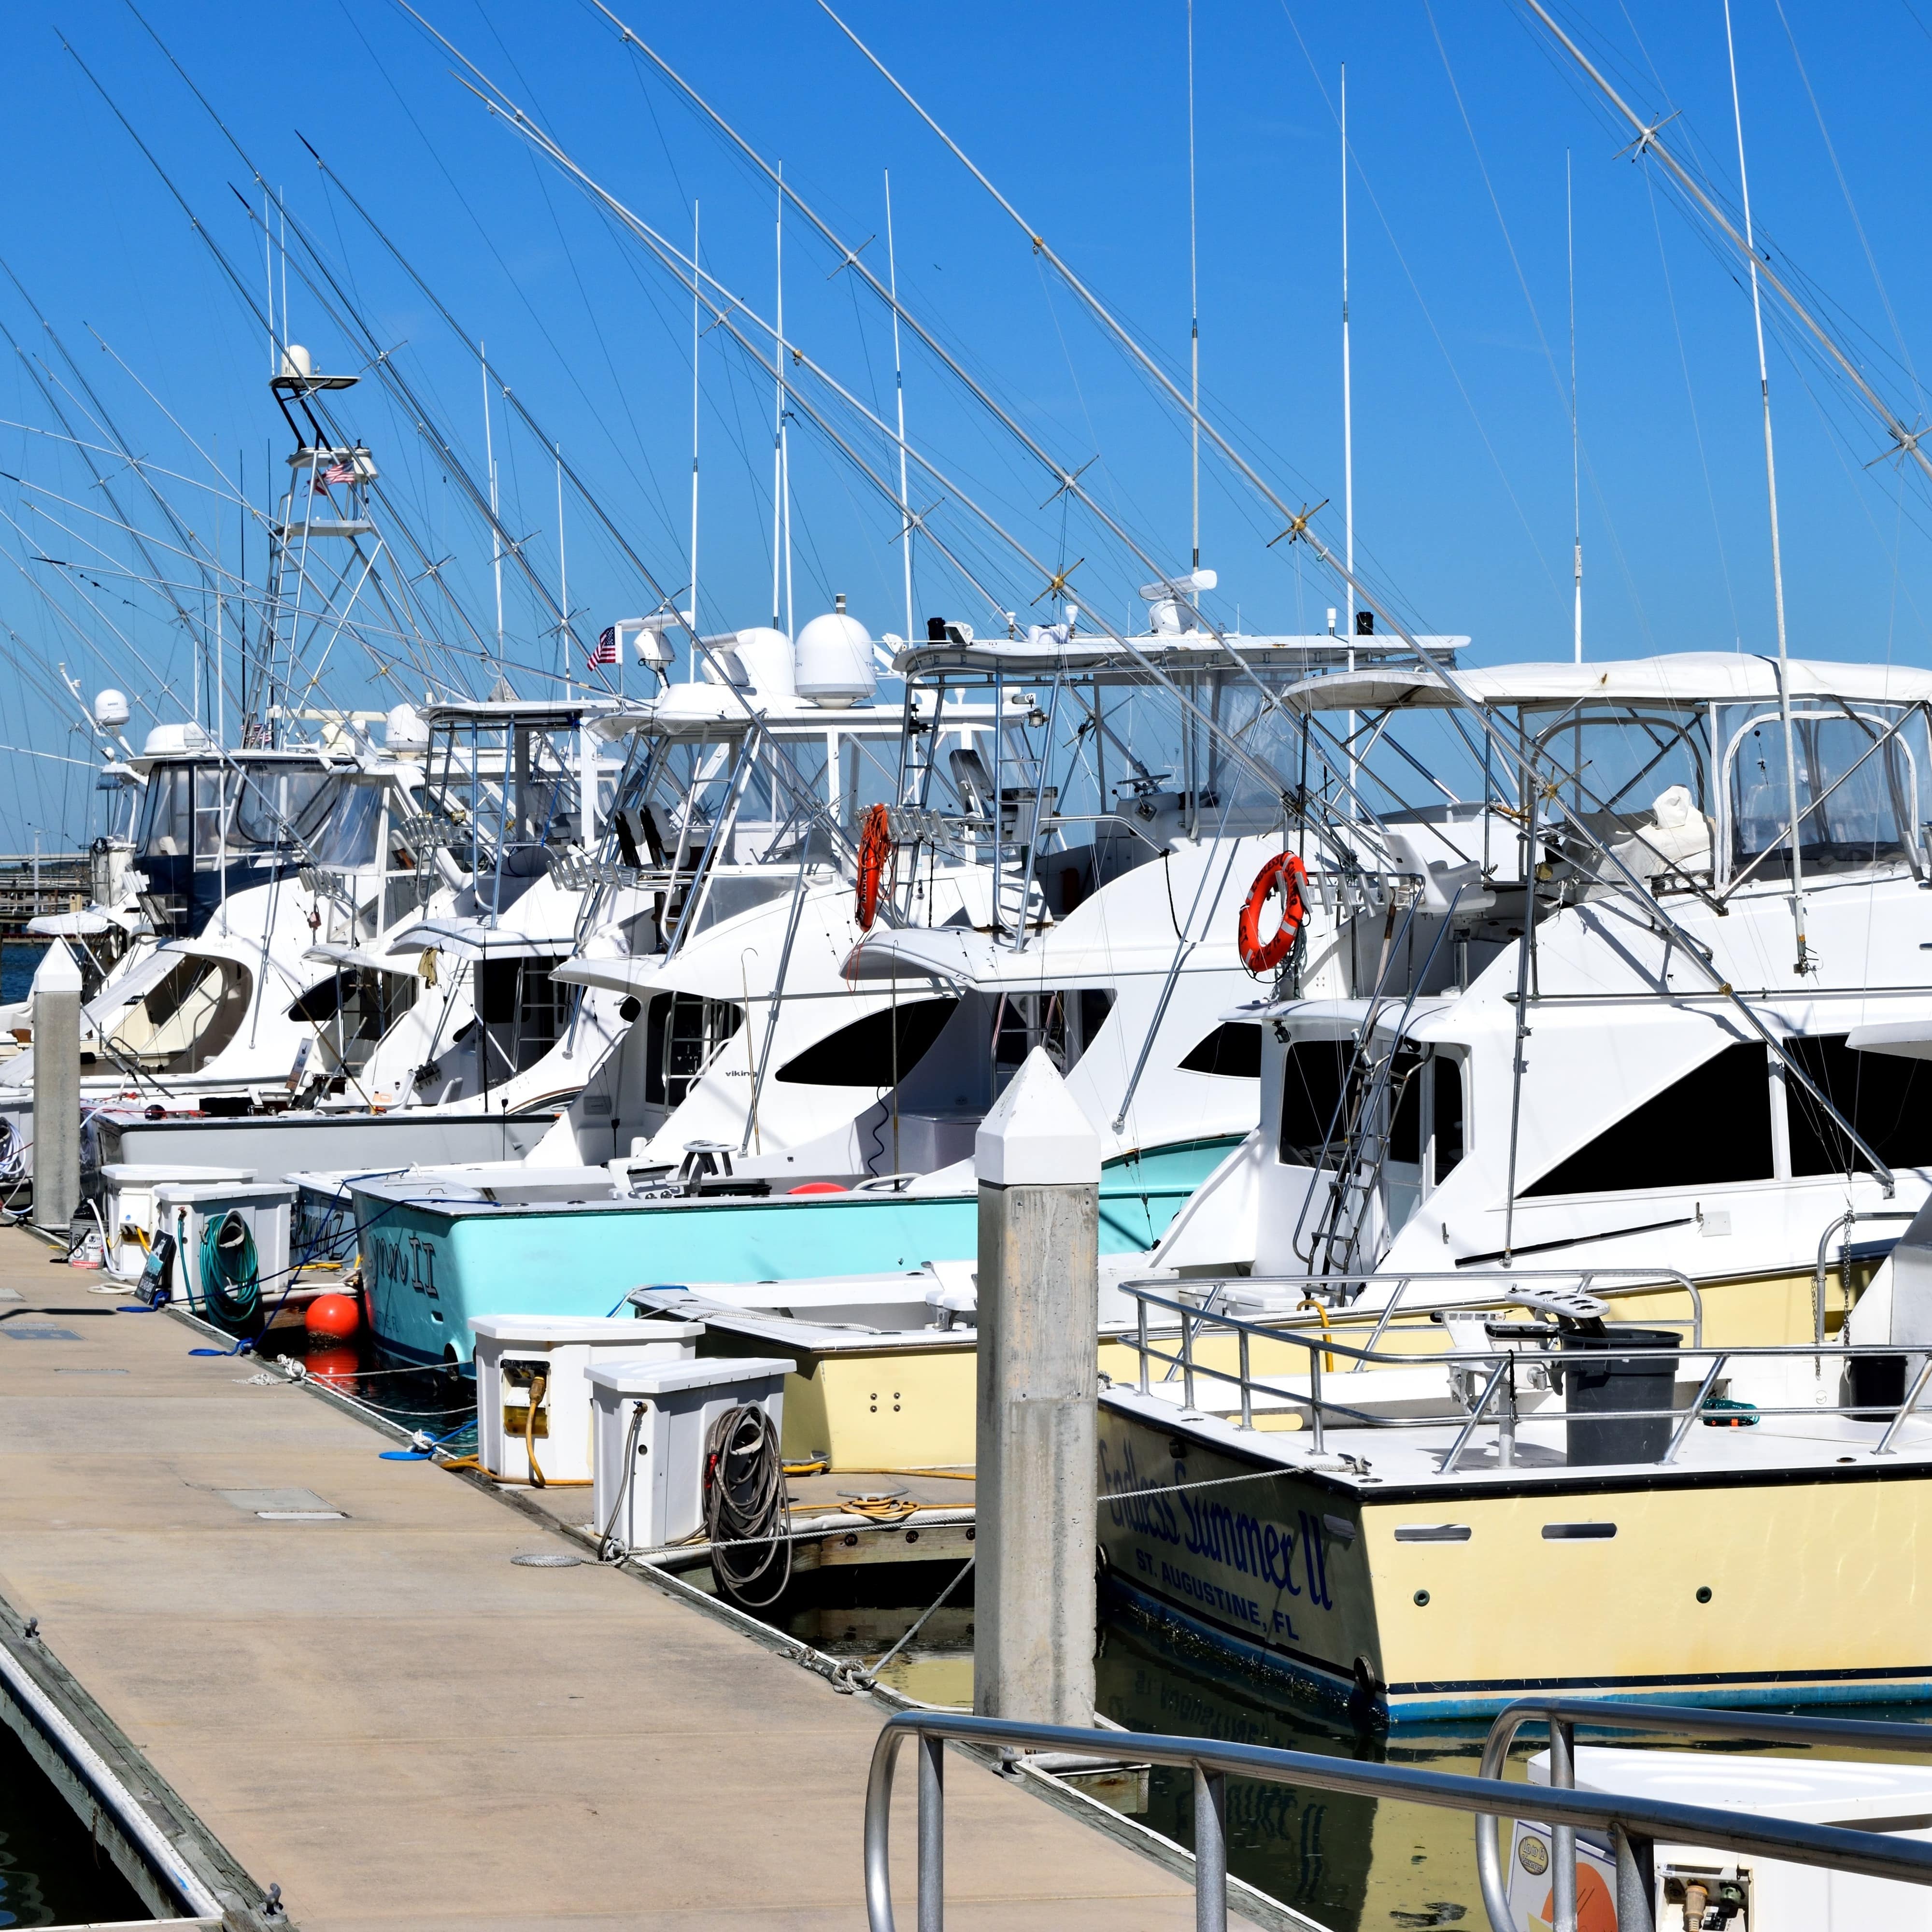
{"x": 128, "y": 1189}
{"x": 186, "y": 1211}
{"x": 513, "y": 1351}
{"x": 650, "y": 1422}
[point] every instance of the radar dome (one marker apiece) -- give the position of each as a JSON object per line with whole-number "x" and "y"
{"x": 296, "y": 363}
{"x": 834, "y": 661}
{"x": 110, "y": 708}
{"x": 765, "y": 654}
{"x": 403, "y": 730}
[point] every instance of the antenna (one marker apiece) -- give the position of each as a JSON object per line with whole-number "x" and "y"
{"x": 1193, "y": 289}
{"x": 898, "y": 387}
{"x": 496, "y": 525}
{"x": 1348, "y": 400}
{"x": 781, "y": 445}
{"x": 1576, "y": 468}
{"x": 1771, "y": 491}
{"x": 694, "y": 338}
{"x": 563, "y": 578}
{"x": 268, "y": 271}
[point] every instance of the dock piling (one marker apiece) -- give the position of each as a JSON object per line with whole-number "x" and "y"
{"x": 1039, "y": 1165}
{"x": 56, "y": 1143}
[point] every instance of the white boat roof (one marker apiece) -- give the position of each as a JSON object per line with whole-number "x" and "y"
{"x": 1173, "y": 651}
{"x": 1681, "y": 678}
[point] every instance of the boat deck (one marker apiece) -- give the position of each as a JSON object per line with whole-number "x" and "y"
{"x": 1409, "y": 1458}
{"x": 380, "y": 1712}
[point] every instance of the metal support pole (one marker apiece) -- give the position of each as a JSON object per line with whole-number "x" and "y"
{"x": 1563, "y": 1837}
{"x": 932, "y": 1835}
{"x": 1210, "y": 1850}
{"x": 1636, "y": 1885}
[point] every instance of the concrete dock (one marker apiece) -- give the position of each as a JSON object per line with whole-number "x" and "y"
{"x": 384, "y": 1715}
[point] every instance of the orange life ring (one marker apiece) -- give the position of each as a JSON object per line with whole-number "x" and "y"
{"x": 877, "y": 854}
{"x": 1286, "y": 872}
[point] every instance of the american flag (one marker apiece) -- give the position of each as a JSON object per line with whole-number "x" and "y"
{"x": 336, "y": 473}
{"x": 604, "y": 651}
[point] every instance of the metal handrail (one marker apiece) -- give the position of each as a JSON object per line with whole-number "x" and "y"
{"x": 1630, "y": 1821}
{"x": 1316, "y": 1344}
{"x": 1824, "y": 1241}
{"x": 1563, "y": 1714}
{"x": 1609, "y": 1284}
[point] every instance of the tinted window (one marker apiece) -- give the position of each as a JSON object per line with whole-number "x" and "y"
{"x": 863, "y": 1054}
{"x": 681, "y": 1038}
{"x": 1311, "y": 1091}
{"x": 1233, "y": 1051}
{"x": 1711, "y": 1128}
{"x": 1888, "y": 1100}
{"x": 1405, "y": 1103}
{"x": 1448, "y": 1110}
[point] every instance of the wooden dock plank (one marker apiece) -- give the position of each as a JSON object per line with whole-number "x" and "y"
{"x": 399, "y": 1726}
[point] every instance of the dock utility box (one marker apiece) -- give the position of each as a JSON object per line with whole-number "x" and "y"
{"x": 128, "y": 1204}
{"x": 188, "y": 1211}
{"x": 650, "y": 1420}
{"x": 542, "y": 1362}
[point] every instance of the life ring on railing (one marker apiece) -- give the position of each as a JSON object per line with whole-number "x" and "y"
{"x": 876, "y": 855}
{"x": 1284, "y": 872}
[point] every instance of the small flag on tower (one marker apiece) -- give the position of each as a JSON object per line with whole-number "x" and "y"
{"x": 604, "y": 652}
{"x": 336, "y": 473}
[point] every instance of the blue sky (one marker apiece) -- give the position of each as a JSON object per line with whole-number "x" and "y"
{"x": 1460, "y": 117}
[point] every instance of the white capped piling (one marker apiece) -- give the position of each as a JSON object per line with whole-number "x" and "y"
{"x": 1039, "y": 1165}
{"x": 56, "y": 996}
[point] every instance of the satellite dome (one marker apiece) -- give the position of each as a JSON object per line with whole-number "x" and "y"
{"x": 296, "y": 363}
{"x": 404, "y": 731}
{"x": 110, "y": 708}
{"x": 765, "y": 654}
{"x": 834, "y": 660}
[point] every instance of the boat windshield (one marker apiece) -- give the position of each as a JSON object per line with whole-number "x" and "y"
{"x": 1857, "y": 786}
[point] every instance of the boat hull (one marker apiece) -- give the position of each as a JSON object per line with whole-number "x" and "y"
{"x": 429, "y": 1265}
{"x": 1812, "y": 1588}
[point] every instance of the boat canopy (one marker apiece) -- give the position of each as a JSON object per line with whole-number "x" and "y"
{"x": 1189, "y": 651}
{"x": 1683, "y": 678}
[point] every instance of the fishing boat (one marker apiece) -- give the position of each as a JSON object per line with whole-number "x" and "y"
{"x": 881, "y": 1045}
{"x": 1547, "y": 1500}
{"x": 1602, "y": 1056}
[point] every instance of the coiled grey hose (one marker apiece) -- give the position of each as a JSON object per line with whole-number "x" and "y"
{"x": 747, "y": 1505}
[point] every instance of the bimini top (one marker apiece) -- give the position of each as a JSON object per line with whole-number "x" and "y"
{"x": 1097, "y": 655}
{"x": 537, "y": 714}
{"x": 1686, "y": 677}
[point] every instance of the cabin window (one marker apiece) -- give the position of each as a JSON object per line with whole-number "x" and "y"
{"x": 1233, "y": 1052}
{"x": 1311, "y": 1094}
{"x": 164, "y": 833}
{"x": 683, "y": 1035}
{"x": 1888, "y": 1100}
{"x": 1446, "y": 1109}
{"x": 1711, "y": 1128}
{"x": 1405, "y": 1105}
{"x": 1859, "y": 798}
{"x": 866, "y": 1053}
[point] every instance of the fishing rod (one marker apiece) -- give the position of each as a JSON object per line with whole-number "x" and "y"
{"x": 1648, "y": 141}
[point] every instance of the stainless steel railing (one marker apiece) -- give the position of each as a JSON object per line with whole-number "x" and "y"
{"x": 1632, "y": 1823}
{"x": 1634, "y": 1887}
{"x": 1323, "y": 1344}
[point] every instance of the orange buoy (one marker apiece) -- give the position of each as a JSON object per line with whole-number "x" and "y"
{"x": 816, "y": 1187}
{"x": 332, "y": 1365}
{"x": 1285, "y": 873}
{"x": 332, "y": 1318}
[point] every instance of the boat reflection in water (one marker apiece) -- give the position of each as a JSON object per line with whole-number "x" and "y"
{"x": 1349, "y": 1862}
